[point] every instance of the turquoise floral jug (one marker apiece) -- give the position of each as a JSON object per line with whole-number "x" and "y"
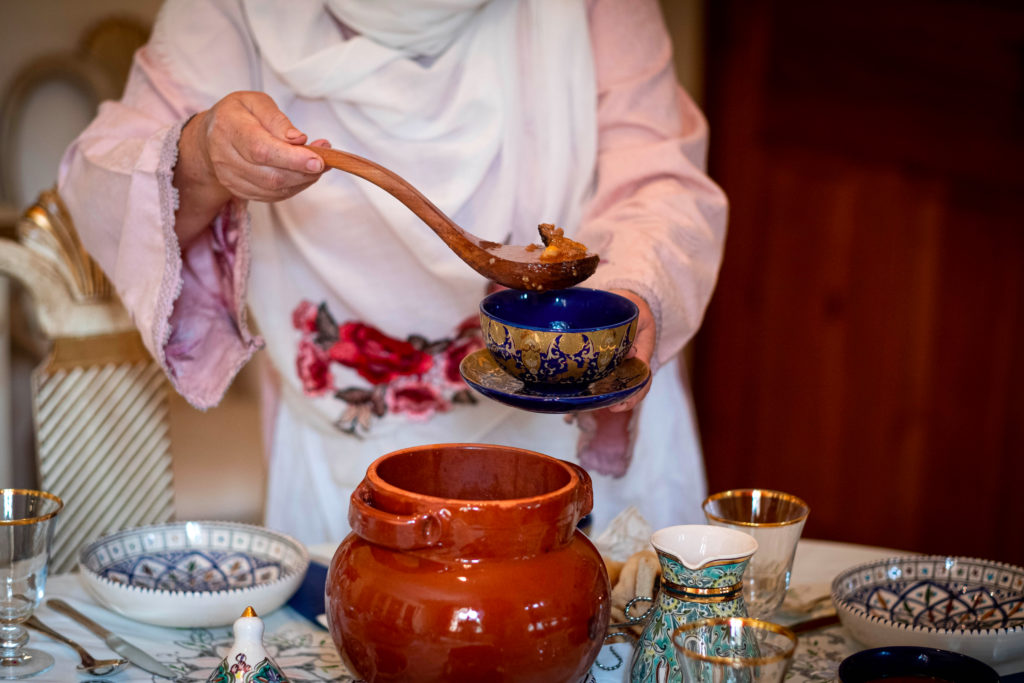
{"x": 701, "y": 576}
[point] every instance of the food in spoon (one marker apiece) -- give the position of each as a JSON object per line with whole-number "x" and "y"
{"x": 557, "y": 247}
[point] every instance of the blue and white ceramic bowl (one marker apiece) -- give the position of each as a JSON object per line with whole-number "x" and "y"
{"x": 559, "y": 338}
{"x": 966, "y": 605}
{"x": 193, "y": 574}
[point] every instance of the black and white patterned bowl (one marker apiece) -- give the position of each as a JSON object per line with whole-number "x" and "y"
{"x": 966, "y": 605}
{"x": 193, "y": 574}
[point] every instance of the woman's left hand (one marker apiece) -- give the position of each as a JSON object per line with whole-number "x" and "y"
{"x": 643, "y": 346}
{"x": 604, "y": 434}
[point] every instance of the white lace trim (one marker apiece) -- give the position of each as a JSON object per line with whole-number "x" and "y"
{"x": 170, "y": 285}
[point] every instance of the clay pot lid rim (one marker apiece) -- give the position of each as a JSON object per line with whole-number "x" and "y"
{"x": 381, "y": 485}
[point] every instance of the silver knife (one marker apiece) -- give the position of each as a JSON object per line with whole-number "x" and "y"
{"x": 114, "y": 641}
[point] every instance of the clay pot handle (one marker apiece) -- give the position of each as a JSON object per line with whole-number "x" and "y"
{"x": 400, "y": 532}
{"x": 585, "y": 492}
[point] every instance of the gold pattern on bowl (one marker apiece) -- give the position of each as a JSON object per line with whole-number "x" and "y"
{"x": 557, "y": 356}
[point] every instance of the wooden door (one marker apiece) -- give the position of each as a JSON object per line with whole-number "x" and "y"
{"x": 865, "y": 345}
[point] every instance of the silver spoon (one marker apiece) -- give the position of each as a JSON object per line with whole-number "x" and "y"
{"x": 90, "y": 665}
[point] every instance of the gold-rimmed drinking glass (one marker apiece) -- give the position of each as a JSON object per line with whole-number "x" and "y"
{"x": 733, "y": 650}
{"x": 27, "y": 522}
{"x": 775, "y": 520}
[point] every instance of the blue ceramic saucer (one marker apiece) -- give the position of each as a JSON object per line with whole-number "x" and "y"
{"x": 483, "y": 373}
{"x": 914, "y": 662}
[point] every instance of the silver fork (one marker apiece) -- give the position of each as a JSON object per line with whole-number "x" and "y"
{"x": 90, "y": 665}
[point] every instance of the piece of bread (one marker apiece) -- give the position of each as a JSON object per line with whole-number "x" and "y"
{"x": 614, "y": 570}
{"x": 647, "y": 571}
{"x": 637, "y": 578}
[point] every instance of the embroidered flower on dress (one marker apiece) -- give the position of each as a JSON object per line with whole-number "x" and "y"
{"x": 304, "y": 317}
{"x": 311, "y": 365}
{"x": 416, "y": 378}
{"x": 377, "y": 357}
{"x": 456, "y": 351}
{"x": 419, "y": 400}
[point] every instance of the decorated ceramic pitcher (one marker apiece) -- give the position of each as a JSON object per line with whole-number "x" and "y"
{"x": 701, "y": 576}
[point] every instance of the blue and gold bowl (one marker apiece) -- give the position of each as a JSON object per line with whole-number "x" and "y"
{"x": 558, "y": 339}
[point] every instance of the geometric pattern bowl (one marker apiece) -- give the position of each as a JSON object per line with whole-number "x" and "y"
{"x": 193, "y": 574}
{"x": 966, "y": 605}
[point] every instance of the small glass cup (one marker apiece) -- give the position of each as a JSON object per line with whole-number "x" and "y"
{"x": 733, "y": 650}
{"x": 776, "y": 520}
{"x": 27, "y": 522}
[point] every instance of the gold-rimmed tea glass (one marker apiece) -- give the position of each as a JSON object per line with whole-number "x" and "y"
{"x": 27, "y": 522}
{"x": 733, "y": 650}
{"x": 776, "y": 520}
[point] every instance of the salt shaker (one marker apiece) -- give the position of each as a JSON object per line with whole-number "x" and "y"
{"x": 247, "y": 660}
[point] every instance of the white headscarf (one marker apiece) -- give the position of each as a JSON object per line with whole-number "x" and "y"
{"x": 487, "y": 107}
{"x": 414, "y": 91}
{"x": 497, "y": 128}
{"x": 423, "y": 28}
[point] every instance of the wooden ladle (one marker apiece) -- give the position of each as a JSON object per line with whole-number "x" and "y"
{"x": 513, "y": 266}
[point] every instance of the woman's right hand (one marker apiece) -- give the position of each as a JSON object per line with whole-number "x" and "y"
{"x": 244, "y": 147}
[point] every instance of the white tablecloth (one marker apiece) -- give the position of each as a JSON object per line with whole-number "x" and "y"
{"x": 306, "y": 653}
{"x": 303, "y": 650}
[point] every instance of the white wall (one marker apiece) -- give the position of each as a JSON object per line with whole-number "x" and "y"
{"x": 30, "y": 30}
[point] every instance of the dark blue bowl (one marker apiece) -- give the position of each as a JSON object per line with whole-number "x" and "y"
{"x": 577, "y": 309}
{"x": 567, "y": 337}
{"x": 887, "y": 662}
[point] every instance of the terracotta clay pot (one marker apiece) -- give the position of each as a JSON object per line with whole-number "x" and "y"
{"x": 465, "y": 564}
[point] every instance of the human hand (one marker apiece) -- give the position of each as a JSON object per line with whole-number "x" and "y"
{"x": 244, "y": 146}
{"x": 252, "y": 149}
{"x": 643, "y": 346}
{"x": 604, "y": 443}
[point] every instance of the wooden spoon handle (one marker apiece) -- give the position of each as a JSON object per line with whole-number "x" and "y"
{"x": 398, "y": 187}
{"x": 508, "y": 265}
